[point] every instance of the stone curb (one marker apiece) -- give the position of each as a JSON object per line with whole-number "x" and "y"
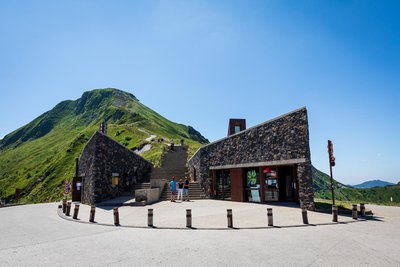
{"x": 69, "y": 218}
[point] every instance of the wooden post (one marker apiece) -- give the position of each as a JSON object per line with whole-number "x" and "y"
{"x": 92, "y": 213}
{"x": 334, "y": 213}
{"x": 230, "y": 218}
{"x": 76, "y": 210}
{"x": 304, "y": 215}
{"x": 116, "y": 217}
{"x": 150, "y": 218}
{"x": 67, "y": 212}
{"x": 354, "y": 212}
{"x": 362, "y": 209}
{"x": 189, "y": 218}
{"x": 64, "y": 205}
{"x": 270, "y": 218}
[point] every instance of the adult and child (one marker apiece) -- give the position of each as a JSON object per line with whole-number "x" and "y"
{"x": 179, "y": 190}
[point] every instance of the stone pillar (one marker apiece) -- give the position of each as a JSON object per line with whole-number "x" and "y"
{"x": 306, "y": 191}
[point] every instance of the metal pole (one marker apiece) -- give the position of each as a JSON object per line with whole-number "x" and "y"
{"x": 189, "y": 218}
{"x": 230, "y": 219}
{"x": 362, "y": 209}
{"x": 150, "y": 217}
{"x": 270, "y": 218}
{"x": 64, "y": 205}
{"x": 67, "y": 212}
{"x": 335, "y": 213}
{"x": 92, "y": 213}
{"x": 76, "y": 210}
{"x": 116, "y": 217}
{"x": 354, "y": 212}
{"x": 304, "y": 215}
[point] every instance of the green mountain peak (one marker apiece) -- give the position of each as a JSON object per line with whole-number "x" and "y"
{"x": 39, "y": 156}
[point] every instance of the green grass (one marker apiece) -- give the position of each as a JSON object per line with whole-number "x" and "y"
{"x": 41, "y": 155}
{"x": 376, "y": 195}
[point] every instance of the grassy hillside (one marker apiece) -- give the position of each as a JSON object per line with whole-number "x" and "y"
{"x": 39, "y": 156}
{"x": 378, "y": 195}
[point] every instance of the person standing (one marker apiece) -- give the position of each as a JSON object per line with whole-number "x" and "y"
{"x": 186, "y": 190}
{"x": 180, "y": 190}
{"x": 172, "y": 186}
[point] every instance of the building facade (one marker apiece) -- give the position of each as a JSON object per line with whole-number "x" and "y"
{"x": 107, "y": 169}
{"x": 265, "y": 163}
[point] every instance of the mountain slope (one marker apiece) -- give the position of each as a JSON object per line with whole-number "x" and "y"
{"x": 39, "y": 156}
{"x": 379, "y": 195}
{"x": 372, "y": 183}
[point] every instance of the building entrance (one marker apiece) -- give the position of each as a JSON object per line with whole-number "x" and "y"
{"x": 222, "y": 184}
{"x": 280, "y": 184}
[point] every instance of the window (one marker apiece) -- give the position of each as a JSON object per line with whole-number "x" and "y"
{"x": 237, "y": 128}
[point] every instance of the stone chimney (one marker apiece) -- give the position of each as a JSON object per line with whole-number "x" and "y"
{"x": 236, "y": 125}
{"x": 104, "y": 128}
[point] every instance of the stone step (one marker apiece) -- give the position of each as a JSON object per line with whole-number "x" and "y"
{"x": 195, "y": 192}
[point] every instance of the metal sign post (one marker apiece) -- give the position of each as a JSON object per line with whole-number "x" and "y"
{"x": 331, "y": 164}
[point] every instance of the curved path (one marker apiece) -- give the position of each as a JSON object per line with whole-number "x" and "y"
{"x": 34, "y": 235}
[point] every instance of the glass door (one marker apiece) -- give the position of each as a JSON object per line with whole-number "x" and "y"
{"x": 271, "y": 189}
{"x": 223, "y": 185}
{"x": 252, "y": 185}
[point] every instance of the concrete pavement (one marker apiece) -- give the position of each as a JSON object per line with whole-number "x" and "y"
{"x": 34, "y": 235}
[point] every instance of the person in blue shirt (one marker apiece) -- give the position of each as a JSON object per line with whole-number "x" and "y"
{"x": 172, "y": 186}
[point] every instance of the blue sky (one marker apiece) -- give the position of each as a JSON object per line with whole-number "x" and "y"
{"x": 218, "y": 60}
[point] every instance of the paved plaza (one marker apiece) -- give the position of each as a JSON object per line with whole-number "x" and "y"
{"x": 35, "y": 235}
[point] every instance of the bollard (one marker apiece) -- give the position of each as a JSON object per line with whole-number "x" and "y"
{"x": 189, "y": 218}
{"x": 270, "y": 218}
{"x": 362, "y": 209}
{"x": 92, "y": 213}
{"x": 334, "y": 213}
{"x": 64, "y": 205}
{"x": 76, "y": 210}
{"x": 68, "y": 210}
{"x": 354, "y": 212}
{"x": 116, "y": 217}
{"x": 304, "y": 215}
{"x": 230, "y": 218}
{"x": 150, "y": 218}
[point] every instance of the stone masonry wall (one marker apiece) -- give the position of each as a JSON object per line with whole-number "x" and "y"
{"x": 103, "y": 156}
{"x": 283, "y": 138}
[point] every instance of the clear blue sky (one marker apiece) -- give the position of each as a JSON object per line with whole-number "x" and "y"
{"x": 219, "y": 60}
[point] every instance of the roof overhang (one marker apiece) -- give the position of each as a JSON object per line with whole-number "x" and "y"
{"x": 259, "y": 164}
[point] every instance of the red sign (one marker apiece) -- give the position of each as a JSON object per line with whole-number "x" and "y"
{"x": 67, "y": 187}
{"x": 330, "y": 151}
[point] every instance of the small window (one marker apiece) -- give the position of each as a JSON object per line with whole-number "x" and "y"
{"x": 237, "y": 128}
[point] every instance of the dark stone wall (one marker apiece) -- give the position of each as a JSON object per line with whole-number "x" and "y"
{"x": 283, "y": 138}
{"x": 103, "y": 156}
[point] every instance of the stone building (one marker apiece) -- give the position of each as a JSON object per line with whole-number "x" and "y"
{"x": 267, "y": 162}
{"x": 108, "y": 169}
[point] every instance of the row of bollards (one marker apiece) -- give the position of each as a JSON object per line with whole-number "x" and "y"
{"x": 66, "y": 208}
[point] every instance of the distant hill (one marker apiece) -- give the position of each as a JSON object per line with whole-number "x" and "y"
{"x": 372, "y": 183}
{"x": 39, "y": 156}
{"x": 379, "y": 195}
